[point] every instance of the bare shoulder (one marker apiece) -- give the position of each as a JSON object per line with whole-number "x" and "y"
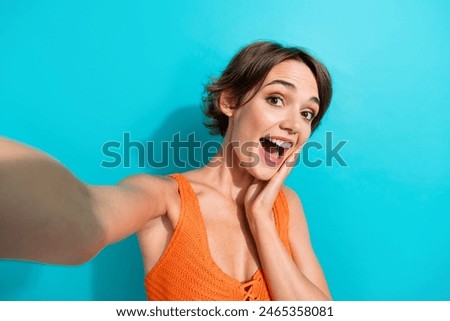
{"x": 293, "y": 200}
{"x": 130, "y": 205}
{"x": 297, "y": 218}
{"x": 149, "y": 183}
{"x": 161, "y": 191}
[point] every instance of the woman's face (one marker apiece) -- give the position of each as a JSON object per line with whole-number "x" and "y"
{"x": 276, "y": 121}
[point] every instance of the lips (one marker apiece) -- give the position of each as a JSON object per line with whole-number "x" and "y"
{"x": 274, "y": 149}
{"x": 275, "y": 145}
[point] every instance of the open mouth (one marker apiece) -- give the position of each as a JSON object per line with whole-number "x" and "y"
{"x": 276, "y": 148}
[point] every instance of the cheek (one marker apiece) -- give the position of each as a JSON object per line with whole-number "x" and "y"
{"x": 259, "y": 119}
{"x": 246, "y": 123}
{"x": 305, "y": 135}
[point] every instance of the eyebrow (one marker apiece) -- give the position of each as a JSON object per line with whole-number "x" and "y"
{"x": 287, "y": 84}
{"x": 291, "y": 87}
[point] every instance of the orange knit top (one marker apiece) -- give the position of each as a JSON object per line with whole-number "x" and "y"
{"x": 187, "y": 272}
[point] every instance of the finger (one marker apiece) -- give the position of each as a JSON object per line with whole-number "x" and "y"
{"x": 295, "y": 154}
{"x": 271, "y": 190}
{"x": 290, "y": 162}
{"x": 280, "y": 176}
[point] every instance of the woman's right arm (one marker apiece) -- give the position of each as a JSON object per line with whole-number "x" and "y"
{"x": 48, "y": 215}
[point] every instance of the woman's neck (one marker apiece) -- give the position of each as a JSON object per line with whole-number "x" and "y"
{"x": 224, "y": 174}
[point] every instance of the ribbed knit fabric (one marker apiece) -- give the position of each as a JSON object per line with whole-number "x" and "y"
{"x": 186, "y": 271}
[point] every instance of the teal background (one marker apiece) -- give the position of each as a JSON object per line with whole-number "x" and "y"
{"x": 77, "y": 74}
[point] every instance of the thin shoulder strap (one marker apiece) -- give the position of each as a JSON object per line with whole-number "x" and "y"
{"x": 190, "y": 215}
{"x": 188, "y": 197}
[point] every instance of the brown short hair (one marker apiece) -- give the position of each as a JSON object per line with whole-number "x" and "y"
{"x": 247, "y": 71}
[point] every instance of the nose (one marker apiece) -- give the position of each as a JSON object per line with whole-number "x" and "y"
{"x": 291, "y": 123}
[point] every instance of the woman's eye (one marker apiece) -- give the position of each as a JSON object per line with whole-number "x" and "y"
{"x": 275, "y": 101}
{"x": 308, "y": 115}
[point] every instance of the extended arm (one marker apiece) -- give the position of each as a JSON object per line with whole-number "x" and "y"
{"x": 48, "y": 215}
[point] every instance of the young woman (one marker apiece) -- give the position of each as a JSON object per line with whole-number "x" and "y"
{"x": 227, "y": 231}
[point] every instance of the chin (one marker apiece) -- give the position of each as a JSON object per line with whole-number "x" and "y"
{"x": 258, "y": 167}
{"x": 262, "y": 172}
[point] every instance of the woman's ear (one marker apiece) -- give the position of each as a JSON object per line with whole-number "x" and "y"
{"x": 226, "y": 104}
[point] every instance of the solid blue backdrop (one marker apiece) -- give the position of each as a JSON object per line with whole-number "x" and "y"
{"x": 76, "y": 75}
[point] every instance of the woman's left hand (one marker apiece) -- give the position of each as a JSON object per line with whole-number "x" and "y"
{"x": 261, "y": 195}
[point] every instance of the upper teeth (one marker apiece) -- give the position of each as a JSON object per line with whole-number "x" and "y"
{"x": 281, "y": 143}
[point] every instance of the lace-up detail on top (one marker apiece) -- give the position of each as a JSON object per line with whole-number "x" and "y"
{"x": 253, "y": 290}
{"x": 186, "y": 270}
